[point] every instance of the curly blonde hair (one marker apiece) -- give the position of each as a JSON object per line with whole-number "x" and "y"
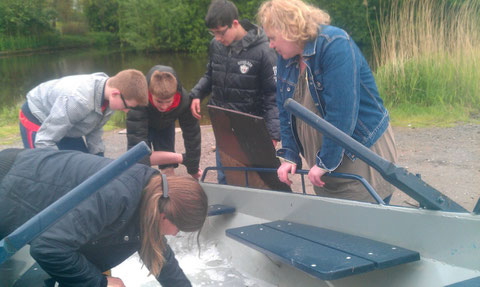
{"x": 295, "y": 20}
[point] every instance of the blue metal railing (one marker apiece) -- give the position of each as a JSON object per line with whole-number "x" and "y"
{"x": 47, "y": 217}
{"x": 412, "y": 185}
{"x": 302, "y": 173}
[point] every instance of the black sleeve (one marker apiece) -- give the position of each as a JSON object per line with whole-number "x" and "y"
{"x": 269, "y": 89}
{"x": 192, "y": 140}
{"x": 58, "y": 249}
{"x": 172, "y": 275}
{"x": 137, "y": 130}
{"x": 204, "y": 86}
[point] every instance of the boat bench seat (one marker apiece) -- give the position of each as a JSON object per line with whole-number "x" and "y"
{"x": 321, "y": 252}
{"x": 217, "y": 209}
{"x": 473, "y": 282}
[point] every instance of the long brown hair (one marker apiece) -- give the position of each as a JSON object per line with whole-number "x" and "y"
{"x": 186, "y": 206}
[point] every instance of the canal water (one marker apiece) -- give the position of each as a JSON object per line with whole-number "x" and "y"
{"x": 20, "y": 73}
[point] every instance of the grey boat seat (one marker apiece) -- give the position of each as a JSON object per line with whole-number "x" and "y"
{"x": 321, "y": 252}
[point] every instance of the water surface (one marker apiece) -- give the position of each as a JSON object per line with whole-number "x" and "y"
{"x": 21, "y": 73}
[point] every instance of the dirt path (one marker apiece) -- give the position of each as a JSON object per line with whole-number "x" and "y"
{"x": 447, "y": 158}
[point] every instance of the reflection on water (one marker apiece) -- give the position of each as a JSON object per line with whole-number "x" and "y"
{"x": 21, "y": 73}
{"x": 210, "y": 269}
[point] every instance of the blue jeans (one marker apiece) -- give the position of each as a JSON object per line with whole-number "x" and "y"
{"x": 220, "y": 174}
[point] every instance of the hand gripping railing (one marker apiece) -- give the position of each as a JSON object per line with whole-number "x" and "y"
{"x": 47, "y": 217}
{"x": 302, "y": 173}
{"x": 412, "y": 185}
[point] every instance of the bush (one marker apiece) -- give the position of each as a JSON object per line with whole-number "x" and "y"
{"x": 74, "y": 28}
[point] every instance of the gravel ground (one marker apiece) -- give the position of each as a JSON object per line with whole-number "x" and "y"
{"x": 446, "y": 158}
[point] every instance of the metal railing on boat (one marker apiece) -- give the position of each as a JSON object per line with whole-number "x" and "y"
{"x": 302, "y": 174}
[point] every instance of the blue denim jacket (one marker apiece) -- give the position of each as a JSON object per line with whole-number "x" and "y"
{"x": 343, "y": 89}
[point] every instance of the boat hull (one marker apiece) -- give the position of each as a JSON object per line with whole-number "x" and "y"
{"x": 448, "y": 242}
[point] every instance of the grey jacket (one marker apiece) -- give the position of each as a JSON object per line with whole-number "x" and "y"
{"x": 70, "y": 107}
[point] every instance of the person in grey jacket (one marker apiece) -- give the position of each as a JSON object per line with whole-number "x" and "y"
{"x": 60, "y": 113}
{"x": 240, "y": 71}
{"x": 131, "y": 213}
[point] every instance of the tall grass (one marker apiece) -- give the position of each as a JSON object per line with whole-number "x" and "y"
{"x": 429, "y": 56}
{"x": 53, "y": 41}
{"x": 12, "y": 43}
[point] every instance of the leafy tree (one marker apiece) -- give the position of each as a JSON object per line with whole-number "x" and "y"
{"x": 64, "y": 9}
{"x": 356, "y": 17}
{"x": 101, "y": 15}
{"x": 27, "y": 17}
{"x": 175, "y": 25}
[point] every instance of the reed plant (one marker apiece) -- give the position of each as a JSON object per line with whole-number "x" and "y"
{"x": 428, "y": 58}
{"x": 13, "y": 43}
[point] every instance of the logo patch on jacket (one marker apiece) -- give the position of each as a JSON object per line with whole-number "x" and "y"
{"x": 244, "y": 66}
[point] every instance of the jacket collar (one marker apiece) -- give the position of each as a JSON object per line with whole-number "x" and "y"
{"x": 254, "y": 36}
{"x": 99, "y": 94}
{"x": 310, "y": 48}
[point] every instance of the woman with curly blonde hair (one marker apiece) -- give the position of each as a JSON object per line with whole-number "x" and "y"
{"x": 321, "y": 67}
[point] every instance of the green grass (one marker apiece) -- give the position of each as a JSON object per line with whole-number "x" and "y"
{"x": 9, "y": 134}
{"x": 116, "y": 121}
{"x": 431, "y": 81}
{"x": 407, "y": 115}
{"x": 428, "y": 62}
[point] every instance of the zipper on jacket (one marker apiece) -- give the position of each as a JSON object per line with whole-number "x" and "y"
{"x": 229, "y": 56}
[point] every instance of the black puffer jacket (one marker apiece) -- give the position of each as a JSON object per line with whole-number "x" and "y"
{"x": 140, "y": 121}
{"x": 98, "y": 234}
{"x": 241, "y": 77}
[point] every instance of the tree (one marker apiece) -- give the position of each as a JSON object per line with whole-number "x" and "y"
{"x": 102, "y": 15}
{"x": 27, "y": 17}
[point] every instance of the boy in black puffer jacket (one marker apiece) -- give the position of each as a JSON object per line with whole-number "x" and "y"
{"x": 241, "y": 70}
{"x": 155, "y": 124}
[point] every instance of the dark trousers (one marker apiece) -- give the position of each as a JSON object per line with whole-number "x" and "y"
{"x": 163, "y": 140}
{"x": 29, "y": 126}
